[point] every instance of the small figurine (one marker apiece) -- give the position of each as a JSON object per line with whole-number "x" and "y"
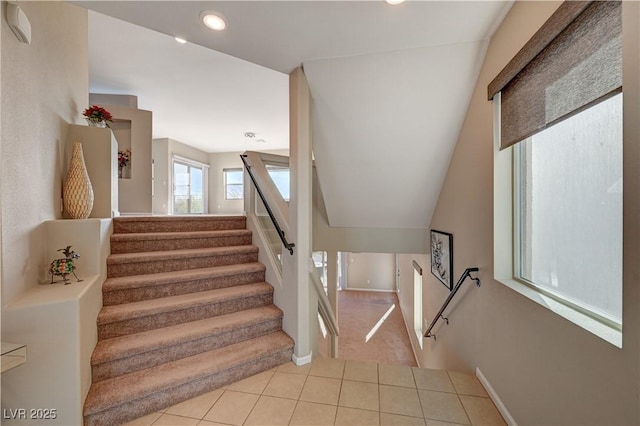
{"x": 64, "y": 267}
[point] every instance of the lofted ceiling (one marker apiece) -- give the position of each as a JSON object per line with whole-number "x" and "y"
{"x": 390, "y": 86}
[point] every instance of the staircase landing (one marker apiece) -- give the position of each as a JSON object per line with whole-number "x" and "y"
{"x": 335, "y": 391}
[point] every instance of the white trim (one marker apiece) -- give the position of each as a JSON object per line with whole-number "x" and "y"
{"x": 302, "y": 360}
{"x": 190, "y": 162}
{"x": 205, "y": 181}
{"x": 379, "y": 290}
{"x": 495, "y": 398}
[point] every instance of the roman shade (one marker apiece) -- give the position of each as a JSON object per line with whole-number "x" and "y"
{"x": 573, "y": 61}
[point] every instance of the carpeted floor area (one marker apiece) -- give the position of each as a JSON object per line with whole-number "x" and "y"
{"x": 359, "y": 312}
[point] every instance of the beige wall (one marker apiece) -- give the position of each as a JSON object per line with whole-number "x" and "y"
{"x": 134, "y": 194}
{"x": 545, "y": 369}
{"x": 162, "y": 176}
{"x": 379, "y": 240}
{"x": 219, "y": 162}
{"x": 163, "y": 152}
{"x": 44, "y": 87}
{"x": 371, "y": 271}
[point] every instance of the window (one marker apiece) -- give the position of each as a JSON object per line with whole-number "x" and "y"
{"x": 568, "y": 205}
{"x": 189, "y": 185}
{"x": 558, "y": 168}
{"x": 280, "y": 176}
{"x": 233, "y": 184}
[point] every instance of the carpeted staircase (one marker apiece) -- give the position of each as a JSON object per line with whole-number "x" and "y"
{"x": 186, "y": 310}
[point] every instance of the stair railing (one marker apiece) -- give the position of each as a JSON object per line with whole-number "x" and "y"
{"x": 466, "y": 274}
{"x": 266, "y": 189}
{"x": 324, "y": 306}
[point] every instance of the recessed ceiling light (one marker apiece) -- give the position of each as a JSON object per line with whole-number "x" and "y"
{"x": 213, "y": 20}
{"x": 394, "y": 1}
{"x": 180, "y": 40}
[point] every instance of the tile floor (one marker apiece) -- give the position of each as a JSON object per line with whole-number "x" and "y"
{"x": 358, "y": 313}
{"x": 335, "y": 391}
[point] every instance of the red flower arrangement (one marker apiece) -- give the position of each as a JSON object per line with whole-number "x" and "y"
{"x": 97, "y": 114}
{"x": 123, "y": 158}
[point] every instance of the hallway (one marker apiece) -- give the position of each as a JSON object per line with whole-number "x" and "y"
{"x": 334, "y": 391}
{"x": 360, "y": 312}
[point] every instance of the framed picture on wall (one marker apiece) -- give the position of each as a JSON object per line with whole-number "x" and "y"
{"x": 442, "y": 257}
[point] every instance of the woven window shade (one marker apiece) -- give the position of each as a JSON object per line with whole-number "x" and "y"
{"x": 579, "y": 67}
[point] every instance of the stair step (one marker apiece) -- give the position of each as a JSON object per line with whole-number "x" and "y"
{"x": 125, "y": 354}
{"x": 162, "y": 241}
{"x": 137, "y": 224}
{"x": 136, "y": 317}
{"x": 124, "y": 398}
{"x": 125, "y": 264}
{"x": 135, "y": 288}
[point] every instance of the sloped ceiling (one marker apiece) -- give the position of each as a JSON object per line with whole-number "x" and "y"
{"x": 386, "y": 171}
{"x": 390, "y": 87}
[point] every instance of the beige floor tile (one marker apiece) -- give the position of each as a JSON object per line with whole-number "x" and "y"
{"x": 354, "y": 416}
{"x": 310, "y": 413}
{"x": 271, "y": 411}
{"x": 144, "y": 421}
{"x": 171, "y": 420}
{"x": 208, "y": 423}
{"x": 359, "y": 395}
{"x": 285, "y": 385}
{"x": 467, "y": 384}
{"x": 442, "y": 406}
{"x": 322, "y": 390}
{"x": 361, "y": 371}
{"x": 196, "y": 407}
{"x": 291, "y": 367}
{"x": 481, "y": 411}
{"x": 387, "y": 419}
{"x": 232, "y": 408}
{"x": 396, "y": 375}
{"x": 399, "y": 400}
{"x": 436, "y": 380}
{"x": 327, "y": 367}
{"x": 438, "y": 423}
{"x": 254, "y": 384}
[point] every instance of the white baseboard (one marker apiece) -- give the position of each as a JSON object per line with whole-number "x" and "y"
{"x": 302, "y": 360}
{"x": 379, "y": 290}
{"x": 495, "y": 398}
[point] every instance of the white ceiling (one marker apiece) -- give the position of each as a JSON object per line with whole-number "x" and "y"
{"x": 198, "y": 96}
{"x": 390, "y": 86}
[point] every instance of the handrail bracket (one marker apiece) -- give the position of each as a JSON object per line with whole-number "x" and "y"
{"x": 466, "y": 274}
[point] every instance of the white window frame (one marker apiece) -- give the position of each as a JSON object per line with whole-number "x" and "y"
{"x": 224, "y": 174}
{"x": 205, "y": 182}
{"x": 505, "y": 245}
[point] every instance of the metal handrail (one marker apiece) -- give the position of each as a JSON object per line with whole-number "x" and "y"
{"x": 289, "y": 246}
{"x": 466, "y": 274}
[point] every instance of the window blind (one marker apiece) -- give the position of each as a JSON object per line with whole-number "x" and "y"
{"x": 576, "y": 62}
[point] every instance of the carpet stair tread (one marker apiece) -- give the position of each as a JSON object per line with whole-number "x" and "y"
{"x": 135, "y": 344}
{"x": 144, "y": 308}
{"x": 137, "y": 236}
{"x": 160, "y": 278}
{"x": 154, "y": 256}
{"x": 137, "y": 224}
{"x": 119, "y": 390}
